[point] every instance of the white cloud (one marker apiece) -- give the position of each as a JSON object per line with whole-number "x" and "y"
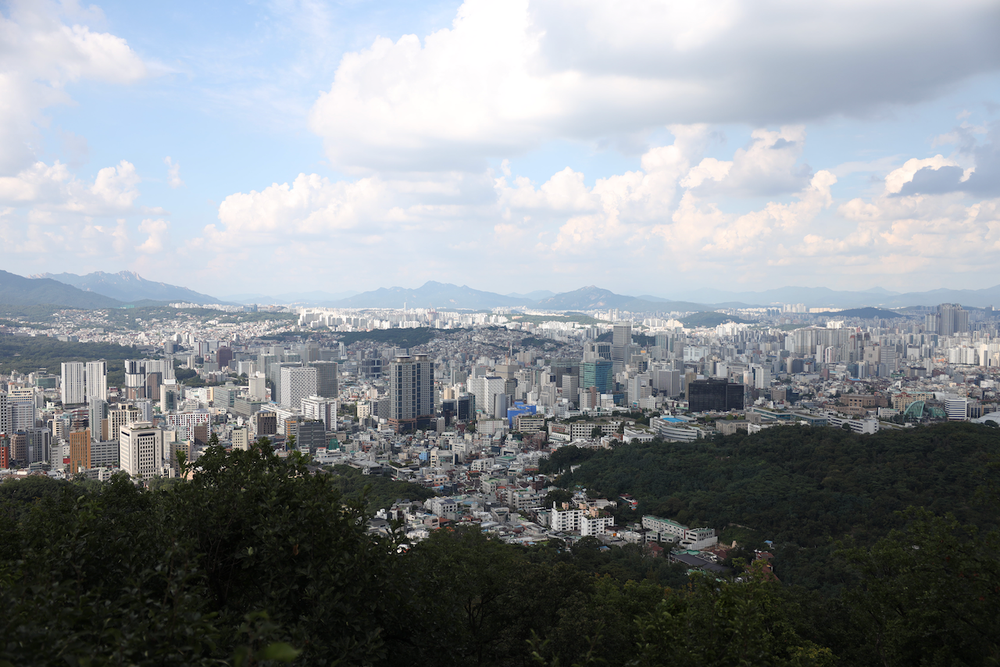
{"x": 173, "y": 173}
{"x": 39, "y": 56}
{"x": 507, "y": 77}
{"x": 156, "y": 231}
{"x": 309, "y": 205}
{"x": 897, "y": 178}
{"x": 53, "y": 188}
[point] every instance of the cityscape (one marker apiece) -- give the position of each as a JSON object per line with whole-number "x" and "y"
{"x": 499, "y": 333}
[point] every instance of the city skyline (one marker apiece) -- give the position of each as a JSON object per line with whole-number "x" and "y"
{"x": 507, "y": 146}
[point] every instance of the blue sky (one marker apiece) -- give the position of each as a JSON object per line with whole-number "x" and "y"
{"x": 646, "y": 147}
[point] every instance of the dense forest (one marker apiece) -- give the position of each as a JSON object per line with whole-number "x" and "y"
{"x": 257, "y": 561}
{"x": 802, "y": 488}
{"x": 28, "y": 354}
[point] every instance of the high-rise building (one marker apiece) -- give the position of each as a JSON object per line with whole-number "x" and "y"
{"x": 39, "y": 443}
{"x": 952, "y": 319}
{"x": 257, "y": 387}
{"x": 621, "y": 338}
{"x": 79, "y": 451}
{"x": 485, "y": 389}
{"x": 140, "y": 450}
{"x": 310, "y": 435}
{"x": 5, "y": 416}
{"x": 223, "y": 356}
{"x": 74, "y": 387}
{"x": 297, "y": 382}
{"x": 714, "y": 394}
{"x": 19, "y": 448}
{"x": 411, "y": 392}
{"x": 327, "y": 378}
{"x": 321, "y": 409}
{"x": 97, "y": 412}
{"x": 600, "y": 374}
{"x": 120, "y": 417}
{"x": 22, "y": 409}
{"x": 97, "y": 380}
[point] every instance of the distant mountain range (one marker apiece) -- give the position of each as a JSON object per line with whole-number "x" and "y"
{"x": 17, "y": 290}
{"x": 108, "y": 290}
{"x": 595, "y": 298}
{"x": 822, "y": 297}
{"x": 128, "y": 286}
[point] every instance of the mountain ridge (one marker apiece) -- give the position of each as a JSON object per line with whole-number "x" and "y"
{"x": 128, "y": 286}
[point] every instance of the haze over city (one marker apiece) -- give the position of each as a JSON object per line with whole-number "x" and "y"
{"x": 644, "y": 148}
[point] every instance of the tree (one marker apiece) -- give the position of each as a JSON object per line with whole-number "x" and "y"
{"x": 725, "y": 623}
{"x": 929, "y": 594}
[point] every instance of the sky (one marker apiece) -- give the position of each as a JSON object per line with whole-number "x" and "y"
{"x": 641, "y": 146}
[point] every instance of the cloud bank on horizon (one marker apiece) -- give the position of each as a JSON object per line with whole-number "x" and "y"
{"x": 644, "y": 146}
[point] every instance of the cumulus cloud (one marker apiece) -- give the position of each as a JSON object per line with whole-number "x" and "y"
{"x": 156, "y": 231}
{"x": 309, "y": 205}
{"x": 173, "y": 173}
{"x": 40, "y": 55}
{"x": 506, "y": 77}
{"x": 52, "y": 188}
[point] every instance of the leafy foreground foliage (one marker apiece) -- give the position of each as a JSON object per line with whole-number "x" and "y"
{"x": 255, "y": 561}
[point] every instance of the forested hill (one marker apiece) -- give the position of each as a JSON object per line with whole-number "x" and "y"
{"x": 801, "y": 487}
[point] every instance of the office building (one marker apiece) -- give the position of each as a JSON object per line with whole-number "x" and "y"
{"x": 241, "y": 438}
{"x": 223, "y": 356}
{"x": 119, "y": 418}
{"x": 140, "y": 450}
{"x": 621, "y": 339}
{"x": 327, "y": 378}
{"x": 411, "y": 392}
{"x": 23, "y": 411}
{"x": 74, "y": 387}
{"x": 79, "y": 451}
{"x": 321, "y": 409}
{"x": 485, "y": 389}
{"x": 600, "y": 374}
{"x": 38, "y": 443}
{"x": 297, "y": 382}
{"x": 263, "y": 424}
{"x": 19, "y": 448}
{"x": 256, "y": 387}
{"x": 310, "y": 435}
{"x": 714, "y": 394}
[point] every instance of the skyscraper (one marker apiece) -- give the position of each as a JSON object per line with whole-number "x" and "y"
{"x": 327, "y": 378}
{"x": 297, "y": 382}
{"x": 599, "y": 374}
{"x": 97, "y": 380}
{"x": 952, "y": 319}
{"x": 621, "y": 338}
{"x": 74, "y": 388}
{"x": 79, "y": 451}
{"x": 411, "y": 396}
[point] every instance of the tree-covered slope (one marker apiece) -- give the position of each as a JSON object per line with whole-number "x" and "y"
{"x": 800, "y": 487}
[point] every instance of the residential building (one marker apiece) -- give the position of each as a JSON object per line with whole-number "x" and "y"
{"x": 73, "y": 388}
{"x": 411, "y": 392}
